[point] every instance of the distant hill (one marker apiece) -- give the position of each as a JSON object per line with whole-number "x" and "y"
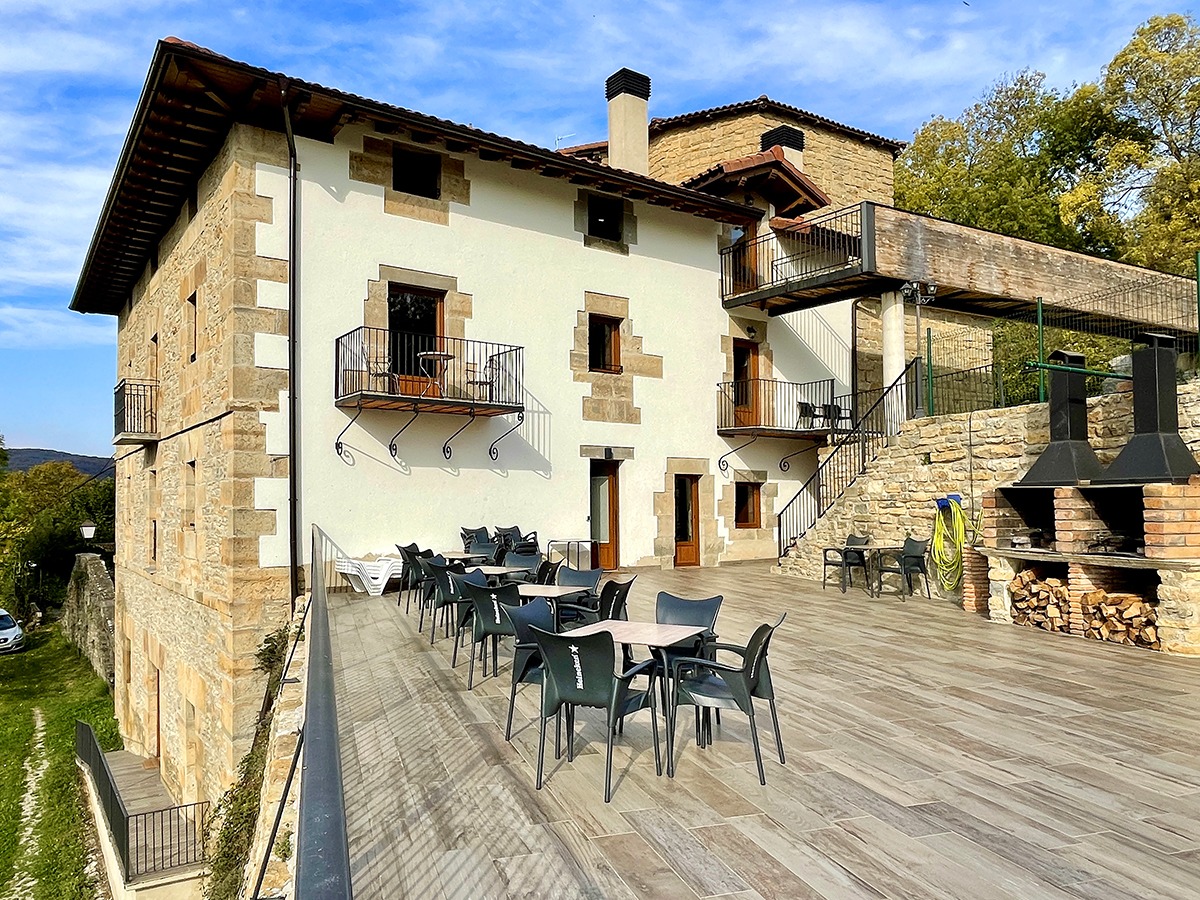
{"x": 22, "y": 458}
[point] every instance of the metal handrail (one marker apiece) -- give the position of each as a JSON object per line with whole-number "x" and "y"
{"x": 781, "y": 405}
{"x": 849, "y": 457}
{"x": 323, "y": 854}
{"x": 146, "y": 842}
{"x": 428, "y": 367}
{"x": 816, "y": 246}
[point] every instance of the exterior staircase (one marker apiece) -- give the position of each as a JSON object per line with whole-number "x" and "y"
{"x": 853, "y": 452}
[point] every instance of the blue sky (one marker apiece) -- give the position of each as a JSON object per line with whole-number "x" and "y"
{"x": 71, "y": 72}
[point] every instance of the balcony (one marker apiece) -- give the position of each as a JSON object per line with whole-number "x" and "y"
{"x": 867, "y": 249}
{"x": 135, "y": 412}
{"x": 761, "y": 407}
{"x": 380, "y": 369}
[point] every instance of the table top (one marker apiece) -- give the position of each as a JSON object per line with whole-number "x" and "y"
{"x": 550, "y": 590}
{"x": 499, "y": 570}
{"x": 463, "y": 554}
{"x": 435, "y": 354}
{"x": 652, "y": 634}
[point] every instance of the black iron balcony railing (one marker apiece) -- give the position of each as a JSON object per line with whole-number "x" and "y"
{"x": 146, "y": 842}
{"x": 444, "y": 371}
{"x": 135, "y": 409}
{"x": 761, "y": 404}
{"x": 820, "y": 246}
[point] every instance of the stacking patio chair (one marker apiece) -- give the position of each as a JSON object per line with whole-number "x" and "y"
{"x": 426, "y": 586}
{"x": 547, "y": 572}
{"x": 580, "y": 671}
{"x": 489, "y": 621}
{"x": 906, "y": 562}
{"x": 609, "y": 605}
{"x": 586, "y": 579}
{"x": 508, "y": 535}
{"x": 853, "y": 555}
{"x": 530, "y": 562}
{"x": 464, "y": 610}
{"x": 527, "y": 658}
{"x": 472, "y": 536}
{"x": 445, "y": 595}
{"x": 707, "y": 684}
{"x": 494, "y": 552}
{"x": 410, "y": 576}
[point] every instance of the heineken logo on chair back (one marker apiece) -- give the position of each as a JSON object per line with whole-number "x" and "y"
{"x": 496, "y": 608}
{"x": 578, "y": 666}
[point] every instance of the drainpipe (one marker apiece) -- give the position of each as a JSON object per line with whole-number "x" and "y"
{"x": 293, "y": 355}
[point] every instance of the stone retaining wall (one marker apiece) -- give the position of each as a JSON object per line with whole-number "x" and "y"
{"x": 87, "y": 617}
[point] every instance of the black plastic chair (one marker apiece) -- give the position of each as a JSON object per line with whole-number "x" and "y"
{"x": 411, "y": 574}
{"x": 846, "y": 559}
{"x": 472, "y": 536}
{"x": 527, "y": 658}
{"x": 547, "y": 572}
{"x": 444, "y": 595}
{"x": 908, "y": 561}
{"x": 508, "y": 536}
{"x": 530, "y": 562}
{"x": 489, "y": 621}
{"x": 492, "y": 552}
{"x": 610, "y": 604}
{"x": 708, "y": 684}
{"x": 427, "y": 586}
{"x": 579, "y": 671}
{"x": 462, "y": 601}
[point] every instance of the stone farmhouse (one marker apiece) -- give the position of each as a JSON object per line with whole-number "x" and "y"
{"x": 336, "y": 311}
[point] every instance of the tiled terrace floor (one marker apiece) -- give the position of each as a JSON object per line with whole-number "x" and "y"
{"x": 929, "y": 754}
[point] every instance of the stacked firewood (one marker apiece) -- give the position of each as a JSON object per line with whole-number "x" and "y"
{"x": 1040, "y": 603}
{"x": 1121, "y": 618}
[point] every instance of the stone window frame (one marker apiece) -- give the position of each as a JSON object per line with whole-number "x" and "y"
{"x": 610, "y": 398}
{"x": 375, "y": 163}
{"x": 628, "y": 223}
{"x": 754, "y": 502}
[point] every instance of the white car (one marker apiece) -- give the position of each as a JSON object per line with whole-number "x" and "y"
{"x": 12, "y": 637}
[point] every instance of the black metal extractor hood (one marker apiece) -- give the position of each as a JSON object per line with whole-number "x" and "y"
{"x": 1156, "y": 452}
{"x": 1068, "y": 459}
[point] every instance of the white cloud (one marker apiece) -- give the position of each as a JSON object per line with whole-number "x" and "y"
{"x": 25, "y": 328}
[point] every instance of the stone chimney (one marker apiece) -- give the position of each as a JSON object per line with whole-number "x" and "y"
{"x": 790, "y": 139}
{"x": 628, "y": 95}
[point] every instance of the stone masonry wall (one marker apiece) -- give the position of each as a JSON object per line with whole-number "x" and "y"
{"x": 846, "y": 169}
{"x": 964, "y": 454}
{"x": 192, "y": 603}
{"x": 970, "y": 335}
{"x": 87, "y": 616}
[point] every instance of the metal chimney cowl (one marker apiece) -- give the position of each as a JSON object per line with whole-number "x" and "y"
{"x": 1155, "y": 452}
{"x": 1068, "y": 459}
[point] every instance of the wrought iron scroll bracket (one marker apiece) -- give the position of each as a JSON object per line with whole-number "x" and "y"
{"x": 392, "y": 443}
{"x": 446, "y": 451}
{"x": 337, "y": 444}
{"x": 723, "y": 461}
{"x": 492, "y": 451}
{"x": 783, "y": 463}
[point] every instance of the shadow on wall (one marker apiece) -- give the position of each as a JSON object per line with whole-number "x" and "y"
{"x": 818, "y": 349}
{"x": 523, "y": 447}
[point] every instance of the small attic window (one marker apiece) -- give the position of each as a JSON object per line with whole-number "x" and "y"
{"x": 414, "y": 172}
{"x": 605, "y": 217}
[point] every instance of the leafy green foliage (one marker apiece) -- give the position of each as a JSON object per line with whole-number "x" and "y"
{"x": 1015, "y": 344}
{"x": 40, "y": 513}
{"x": 51, "y": 675}
{"x": 236, "y": 813}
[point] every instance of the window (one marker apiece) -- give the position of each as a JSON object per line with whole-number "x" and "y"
{"x": 414, "y": 172}
{"x": 604, "y": 343}
{"x": 189, "y": 495}
{"x": 605, "y": 217}
{"x": 191, "y": 326}
{"x": 747, "y": 504}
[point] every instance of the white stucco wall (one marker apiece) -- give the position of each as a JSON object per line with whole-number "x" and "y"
{"x": 515, "y": 250}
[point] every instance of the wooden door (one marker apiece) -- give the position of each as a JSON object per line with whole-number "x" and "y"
{"x": 744, "y": 260}
{"x": 746, "y": 401}
{"x": 605, "y": 514}
{"x": 687, "y": 520}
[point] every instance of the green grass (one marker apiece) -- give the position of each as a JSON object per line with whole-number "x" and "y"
{"x": 52, "y": 675}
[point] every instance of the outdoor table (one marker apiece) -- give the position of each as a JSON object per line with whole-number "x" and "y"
{"x": 440, "y": 359}
{"x": 651, "y": 634}
{"x": 497, "y": 571}
{"x": 464, "y": 555}
{"x": 552, "y": 592}
{"x": 875, "y": 563}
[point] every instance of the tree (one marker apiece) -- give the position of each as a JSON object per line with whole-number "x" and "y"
{"x": 1007, "y": 162}
{"x": 1151, "y": 185}
{"x": 3, "y": 457}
